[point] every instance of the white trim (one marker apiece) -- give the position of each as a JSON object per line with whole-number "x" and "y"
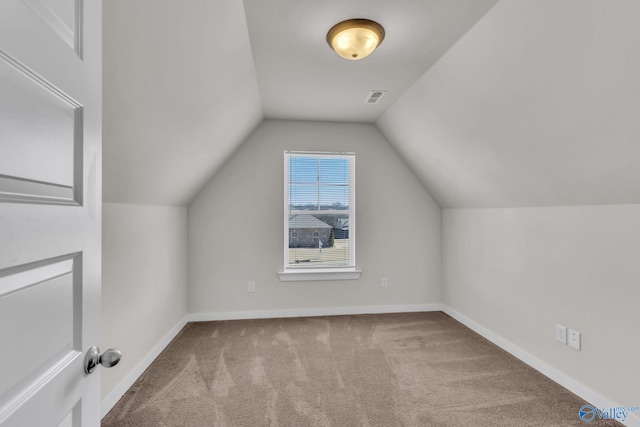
{"x": 351, "y": 212}
{"x": 589, "y": 395}
{"x": 311, "y": 312}
{"x": 286, "y": 208}
{"x": 323, "y": 154}
{"x": 301, "y": 275}
{"x": 110, "y": 401}
{"x": 633, "y": 420}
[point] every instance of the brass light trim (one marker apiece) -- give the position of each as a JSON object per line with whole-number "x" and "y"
{"x": 355, "y": 39}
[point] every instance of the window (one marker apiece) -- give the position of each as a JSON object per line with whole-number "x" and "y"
{"x": 319, "y": 218}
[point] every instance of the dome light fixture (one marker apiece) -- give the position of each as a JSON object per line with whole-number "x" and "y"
{"x": 355, "y": 39}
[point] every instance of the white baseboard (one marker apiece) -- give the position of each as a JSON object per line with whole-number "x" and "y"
{"x": 590, "y": 396}
{"x": 110, "y": 401}
{"x": 310, "y": 312}
{"x": 633, "y": 420}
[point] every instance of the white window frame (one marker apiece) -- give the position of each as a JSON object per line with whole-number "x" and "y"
{"x": 303, "y": 273}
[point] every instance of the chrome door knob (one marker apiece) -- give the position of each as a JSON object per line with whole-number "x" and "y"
{"x": 107, "y": 359}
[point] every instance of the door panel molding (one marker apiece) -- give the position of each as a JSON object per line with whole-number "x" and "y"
{"x": 42, "y": 299}
{"x": 69, "y": 29}
{"x": 46, "y": 99}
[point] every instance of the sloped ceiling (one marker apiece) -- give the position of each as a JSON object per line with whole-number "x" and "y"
{"x": 301, "y": 78}
{"x": 179, "y": 95}
{"x": 181, "y": 91}
{"x": 537, "y": 105}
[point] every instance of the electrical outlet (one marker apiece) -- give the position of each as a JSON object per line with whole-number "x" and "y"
{"x": 574, "y": 339}
{"x": 385, "y": 282}
{"x": 252, "y": 287}
{"x": 561, "y": 334}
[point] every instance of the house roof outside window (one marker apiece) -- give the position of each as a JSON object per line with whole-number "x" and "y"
{"x": 306, "y": 221}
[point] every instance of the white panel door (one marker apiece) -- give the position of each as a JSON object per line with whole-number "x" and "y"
{"x": 50, "y": 211}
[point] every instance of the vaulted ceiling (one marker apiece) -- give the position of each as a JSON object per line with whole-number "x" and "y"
{"x": 537, "y": 105}
{"x": 300, "y": 77}
{"x": 179, "y": 96}
{"x": 519, "y": 103}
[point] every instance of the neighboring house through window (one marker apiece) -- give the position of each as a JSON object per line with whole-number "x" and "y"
{"x": 319, "y": 215}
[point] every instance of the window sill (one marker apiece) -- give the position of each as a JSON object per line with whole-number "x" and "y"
{"x": 318, "y": 274}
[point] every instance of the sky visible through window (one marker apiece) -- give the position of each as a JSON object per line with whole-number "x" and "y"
{"x": 318, "y": 183}
{"x": 318, "y": 221}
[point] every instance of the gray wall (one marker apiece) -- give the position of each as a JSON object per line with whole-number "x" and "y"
{"x": 144, "y": 275}
{"x": 518, "y": 272}
{"x": 398, "y": 226}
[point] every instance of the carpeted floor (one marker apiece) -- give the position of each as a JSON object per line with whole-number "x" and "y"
{"x": 408, "y": 369}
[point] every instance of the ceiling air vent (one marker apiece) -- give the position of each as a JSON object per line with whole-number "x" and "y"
{"x": 374, "y": 96}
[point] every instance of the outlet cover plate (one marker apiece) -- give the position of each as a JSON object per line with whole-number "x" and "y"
{"x": 561, "y": 334}
{"x": 574, "y": 339}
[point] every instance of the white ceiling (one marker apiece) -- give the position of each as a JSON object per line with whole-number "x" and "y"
{"x": 300, "y": 77}
{"x": 181, "y": 91}
{"x": 538, "y": 104}
{"x": 179, "y": 96}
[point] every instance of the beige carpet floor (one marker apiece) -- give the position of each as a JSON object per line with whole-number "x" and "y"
{"x": 408, "y": 369}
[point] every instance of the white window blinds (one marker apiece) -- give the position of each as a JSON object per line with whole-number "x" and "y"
{"x": 319, "y": 210}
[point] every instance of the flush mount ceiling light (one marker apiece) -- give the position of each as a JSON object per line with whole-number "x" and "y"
{"x": 355, "y": 39}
